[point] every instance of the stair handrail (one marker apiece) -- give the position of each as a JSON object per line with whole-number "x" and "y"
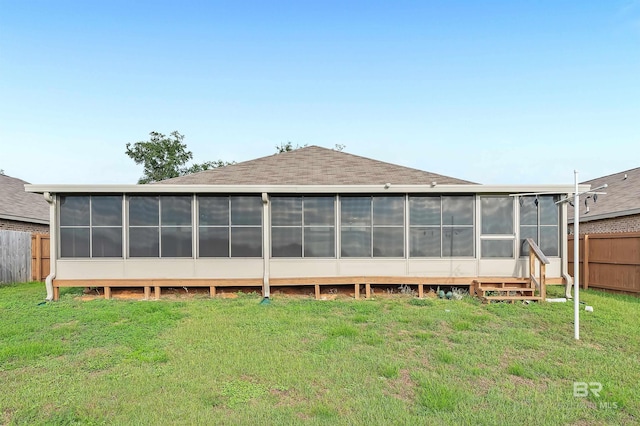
{"x": 535, "y": 253}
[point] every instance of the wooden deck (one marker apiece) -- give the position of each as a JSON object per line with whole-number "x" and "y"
{"x": 317, "y": 282}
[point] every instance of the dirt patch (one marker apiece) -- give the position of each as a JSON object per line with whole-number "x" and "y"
{"x": 116, "y": 293}
{"x": 286, "y": 397}
{"x": 327, "y": 292}
{"x": 402, "y": 387}
{"x": 303, "y": 416}
{"x": 7, "y": 415}
{"x": 65, "y": 324}
{"x": 483, "y": 385}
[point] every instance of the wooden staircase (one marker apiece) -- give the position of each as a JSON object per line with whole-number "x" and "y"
{"x": 533, "y": 288}
{"x": 505, "y": 290}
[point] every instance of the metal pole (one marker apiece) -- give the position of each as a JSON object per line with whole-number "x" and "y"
{"x": 576, "y": 258}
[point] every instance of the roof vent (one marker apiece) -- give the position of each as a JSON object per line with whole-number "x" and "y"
{"x": 625, "y": 176}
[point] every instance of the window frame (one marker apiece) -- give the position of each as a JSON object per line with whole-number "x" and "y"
{"x": 442, "y": 227}
{"x": 497, "y": 236}
{"x": 90, "y": 226}
{"x": 229, "y": 226}
{"x": 372, "y": 226}
{"x": 524, "y": 252}
{"x": 159, "y": 225}
{"x": 303, "y": 227}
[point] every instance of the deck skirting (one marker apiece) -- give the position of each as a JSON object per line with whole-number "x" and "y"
{"x": 317, "y": 282}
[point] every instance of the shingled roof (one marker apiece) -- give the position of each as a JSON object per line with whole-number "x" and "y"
{"x": 16, "y": 204}
{"x": 622, "y": 196}
{"x": 313, "y": 165}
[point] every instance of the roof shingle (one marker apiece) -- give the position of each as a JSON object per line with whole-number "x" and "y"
{"x": 313, "y": 165}
{"x": 622, "y": 196}
{"x": 16, "y": 204}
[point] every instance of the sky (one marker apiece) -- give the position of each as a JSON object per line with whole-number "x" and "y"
{"x": 495, "y": 92}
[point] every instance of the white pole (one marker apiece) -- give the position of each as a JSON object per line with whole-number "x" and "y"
{"x": 576, "y": 258}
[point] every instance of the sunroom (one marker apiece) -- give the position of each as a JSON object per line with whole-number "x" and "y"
{"x": 290, "y": 231}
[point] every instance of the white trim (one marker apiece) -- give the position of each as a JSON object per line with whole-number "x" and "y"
{"x": 602, "y": 216}
{"x": 266, "y": 243}
{"x": 310, "y": 189}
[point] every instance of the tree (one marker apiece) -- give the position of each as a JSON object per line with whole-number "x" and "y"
{"x": 195, "y": 168}
{"x": 288, "y": 146}
{"x": 165, "y": 157}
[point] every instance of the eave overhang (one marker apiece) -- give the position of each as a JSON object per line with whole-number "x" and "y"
{"x": 304, "y": 189}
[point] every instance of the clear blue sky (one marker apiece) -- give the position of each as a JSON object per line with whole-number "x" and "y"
{"x": 494, "y": 92}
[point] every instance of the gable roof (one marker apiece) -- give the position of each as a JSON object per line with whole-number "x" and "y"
{"x": 313, "y": 165}
{"x": 16, "y": 204}
{"x": 622, "y": 197}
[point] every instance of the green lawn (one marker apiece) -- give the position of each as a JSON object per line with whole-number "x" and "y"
{"x": 387, "y": 361}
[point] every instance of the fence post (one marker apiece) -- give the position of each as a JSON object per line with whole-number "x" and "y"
{"x": 585, "y": 256}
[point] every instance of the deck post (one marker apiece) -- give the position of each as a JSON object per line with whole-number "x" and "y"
{"x": 317, "y": 289}
{"x": 356, "y": 288}
{"x": 543, "y": 281}
{"x": 156, "y": 291}
{"x": 107, "y": 292}
{"x": 420, "y": 291}
{"x": 532, "y": 263}
{"x": 147, "y": 292}
{"x": 368, "y": 290}
{"x": 212, "y": 291}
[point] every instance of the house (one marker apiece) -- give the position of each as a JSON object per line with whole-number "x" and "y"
{"x": 616, "y": 211}
{"x": 20, "y": 210}
{"x": 312, "y": 216}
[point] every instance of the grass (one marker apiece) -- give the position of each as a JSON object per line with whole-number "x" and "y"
{"x": 392, "y": 360}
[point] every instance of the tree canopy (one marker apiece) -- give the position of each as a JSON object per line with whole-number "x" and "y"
{"x": 165, "y": 157}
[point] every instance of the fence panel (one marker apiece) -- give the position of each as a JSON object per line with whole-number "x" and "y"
{"x": 612, "y": 261}
{"x": 40, "y": 259}
{"x": 15, "y": 256}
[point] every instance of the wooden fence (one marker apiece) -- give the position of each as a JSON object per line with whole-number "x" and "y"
{"x": 40, "y": 256}
{"x": 609, "y": 261}
{"x": 15, "y": 256}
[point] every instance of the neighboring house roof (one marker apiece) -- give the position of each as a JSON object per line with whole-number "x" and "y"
{"x": 313, "y": 165}
{"x": 622, "y": 197}
{"x": 16, "y": 204}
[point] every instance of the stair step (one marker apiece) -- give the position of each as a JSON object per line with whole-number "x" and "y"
{"x": 524, "y": 291}
{"x": 509, "y": 286}
{"x": 512, "y": 298}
